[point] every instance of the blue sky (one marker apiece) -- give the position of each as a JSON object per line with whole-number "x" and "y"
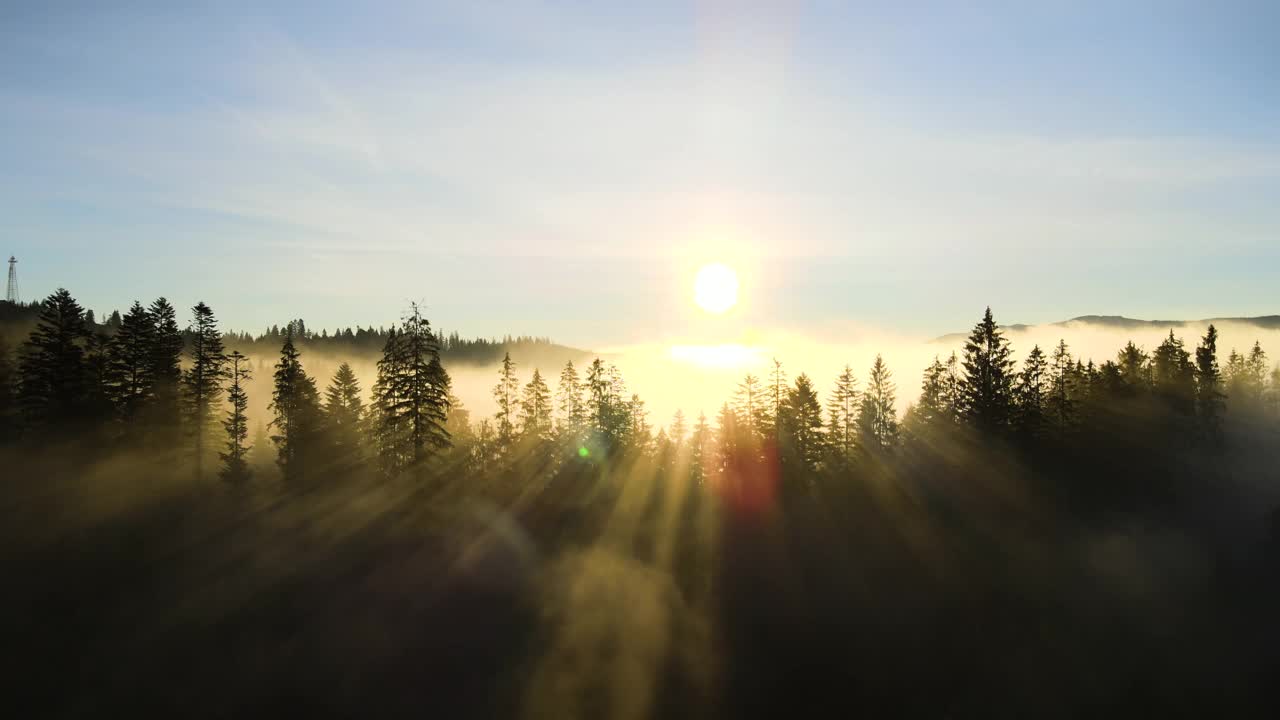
{"x": 562, "y": 168}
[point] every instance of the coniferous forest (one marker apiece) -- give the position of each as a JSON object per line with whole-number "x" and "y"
{"x": 1054, "y": 536}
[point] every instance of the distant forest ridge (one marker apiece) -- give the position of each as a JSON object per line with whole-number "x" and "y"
{"x": 1120, "y": 322}
{"x": 17, "y": 320}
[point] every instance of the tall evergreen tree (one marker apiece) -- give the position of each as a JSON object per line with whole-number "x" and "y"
{"x": 749, "y": 403}
{"x": 986, "y": 391}
{"x": 1030, "y": 393}
{"x": 1134, "y": 369}
{"x": 164, "y": 411}
{"x": 344, "y": 415}
{"x": 202, "y": 382}
{"x": 295, "y": 404}
{"x": 235, "y": 467}
{"x": 1209, "y": 396}
{"x": 1173, "y": 375}
{"x": 535, "y": 409}
{"x": 842, "y": 413}
{"x": 699, "y": 450}
{"x": 678, "y": 429}
{"x": 572, "y": 406}
{"x": 507, "y": 394}
{"x": 878, "y": 416}
{"x": 777, "y": 397}
{"x": 803, "y": 442}
{"x": 411, "y": 397}
{"x": 52, "y": 376}
{"x": 131, "y": 362}
{"x": 1061, "y": 398}
{"x": 936, "y": 408}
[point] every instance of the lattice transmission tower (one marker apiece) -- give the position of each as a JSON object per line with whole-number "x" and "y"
{"x": 11, "y": 292}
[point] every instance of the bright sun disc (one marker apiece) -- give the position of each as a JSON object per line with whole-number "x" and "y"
{"x": 715, "y": 289}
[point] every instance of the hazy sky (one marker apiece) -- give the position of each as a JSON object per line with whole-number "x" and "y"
{"x": 562, "y": 168}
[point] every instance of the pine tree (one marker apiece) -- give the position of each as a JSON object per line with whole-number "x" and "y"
{"x": 609, "y": 416}
{"x": 411, "y": 397}
{"x": 573, "y": 409}
{"x": 878, "y": 416}
{"x": 535, "y": 409}
{"x": 131, "y": 362}
{"x": 802, "y": 425}
{"x": 1030, "y": 392}
{"x": 678, "y": 430}
{"x": 777, "y": 398}
{"x": 1256, "y": 370}
{"x": 986, "y": 391}
{"x": 1209, "y": 397}
{"x": 202, "y": 382}
{"x": 842, "y": 411}
{"x": 97, "y": 361}
{"x": 749, "y": 405}
{"x": 344, "y": 415}
{"x": 52, "y": 375}
{"x": 1061, "y": 401}
{"x": 163, "y": 414}
{"x": 936, "y": 408}
{"x": 295, "y": 405}
{"x": 1173, "y": 375}
{"x": 507, "y": 394}
{"x": 235, "y": 468}
{"x": 699, "y": 441}
{"x": 1134, "y": 369}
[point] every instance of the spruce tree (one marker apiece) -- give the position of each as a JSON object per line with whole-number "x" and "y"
{"x": 507, "y": 394}
{"x": 802, "y": 425}
{"x": 699, "y": 455}
{"x": 295, "y": 405}
{"x": 131, "y": 362}
{"x": 1173, "y": 375}
{"x": 411, "y": 397}
{"x": 1209, "y": 397}
{"x": 1134, "y": 369}
{"x": 1061, "y": 401}
{"x": 1256, "y": 370}
{"x": 986, "y": 391}
{"x": 677, "y": 431}
{"x": 1030, "y": 393}
{"x": 53, "y": 378}
{"x": 842, "y": 411}
{"x": 777, "y": 398}
{"x": 935, "y": 408}
{"x": 235, "y": 467}
{"x": 878, "y": 416}
{"x": 535, "y": 409}
{"x": 202, "y": 382}
{"x": 343, "y": 415}
{"x": 749, "y": 403}
{"x": 163, "y": 414}
{"x": 573, "y": 409}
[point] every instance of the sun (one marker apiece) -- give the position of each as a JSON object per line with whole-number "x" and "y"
{"x": 715, "y": 289}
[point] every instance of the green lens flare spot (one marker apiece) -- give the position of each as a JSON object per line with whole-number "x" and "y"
{"x": 583, "y": 452}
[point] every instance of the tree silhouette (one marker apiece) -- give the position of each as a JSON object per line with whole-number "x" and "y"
{"x": 344, "y": 415}
{"x": 1029, "y": 395}
{"x": 572, "y": 406}
{"x": 801, "y": 421}
{"x": 235, "y": 468}
{"x": 411, "y": 397}
{"x": 877, "y": 413}
{"x": 986, "y": 391}
{"x": 164, "y": 412}
{"x": 1061, "y": 398}
{"x": 202, "y": 382}
{"x": 842, "y": 413}
{"x": 507, "y": 394}
{"x": 295, "y": 406}
{"x": 53, "y": 379}
{"x": 1209, "y": 396}
{"x": 535, "y": 409}
{"x": 131, "y": 362}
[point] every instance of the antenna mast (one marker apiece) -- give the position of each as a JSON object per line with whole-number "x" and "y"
{"x": 11, "y": 293}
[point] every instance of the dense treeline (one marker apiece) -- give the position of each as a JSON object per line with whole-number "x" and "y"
{"x": 1055, "y": 536}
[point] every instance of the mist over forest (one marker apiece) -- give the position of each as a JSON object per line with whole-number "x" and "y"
{"x": 1080, "y": 518}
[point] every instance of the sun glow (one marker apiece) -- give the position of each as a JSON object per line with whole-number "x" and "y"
{"x": 715, "y": 288}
